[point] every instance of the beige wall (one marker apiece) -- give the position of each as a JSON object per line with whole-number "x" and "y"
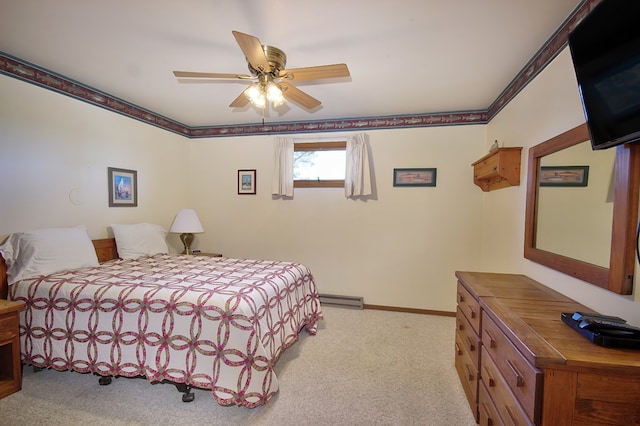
{"x": 546, "y": 107}
{"x": 54, "y": 149}
{"x": 399, "y": 250}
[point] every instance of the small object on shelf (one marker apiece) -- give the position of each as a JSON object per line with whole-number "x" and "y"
{"x": 498, "y": 169}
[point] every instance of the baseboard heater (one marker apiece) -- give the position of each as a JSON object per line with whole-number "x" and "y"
{"x": 342, "y": 301}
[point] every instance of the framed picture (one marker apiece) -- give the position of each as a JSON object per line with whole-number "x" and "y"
{"x": 414, "y": 177}
{"x": 123, "y": 187}
{"x": 564, "y": 175}
{"x": 246, "y": 181}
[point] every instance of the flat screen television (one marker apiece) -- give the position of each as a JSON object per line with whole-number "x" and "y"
{"x": 605, "y": 50}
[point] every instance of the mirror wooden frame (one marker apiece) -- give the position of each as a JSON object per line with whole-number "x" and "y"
{"x": 619, "y": 276}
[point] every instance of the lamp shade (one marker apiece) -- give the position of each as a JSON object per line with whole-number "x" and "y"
{"x": 186, "y": 221}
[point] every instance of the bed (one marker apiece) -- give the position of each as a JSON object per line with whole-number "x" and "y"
{"x": 195, "y": 321}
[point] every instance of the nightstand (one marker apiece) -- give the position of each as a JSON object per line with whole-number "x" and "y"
{"x": 10, "y": 369}
{"x": 207, "y": 254}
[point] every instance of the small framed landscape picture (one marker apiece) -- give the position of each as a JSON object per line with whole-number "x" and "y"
{"x": 564, "y": 175}
{"x": 246, "y": 182}
{"x": 123, "y": 187}
{"x": 414, "y": 177}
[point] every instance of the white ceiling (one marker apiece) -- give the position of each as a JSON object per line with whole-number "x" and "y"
{"x": 405, "y": 56}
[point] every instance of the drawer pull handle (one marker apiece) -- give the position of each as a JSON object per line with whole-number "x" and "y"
{"x": 458, "y": 350}
{"x": 461, "y": 326}
{"x": 519, "y": 378}
{"x": 472, "y": 375}
{"x": 491, "y": 381}
{"x": 488, "y": 414}
{"x": 513, "y": 421}
{"x": 492, "y": 341}
{"x": 460, "y": 297}
{"x": 473, "y": 313}
{"x": 472, "y": 347}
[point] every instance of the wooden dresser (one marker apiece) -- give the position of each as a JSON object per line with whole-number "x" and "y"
{"x": 520, "y": 364}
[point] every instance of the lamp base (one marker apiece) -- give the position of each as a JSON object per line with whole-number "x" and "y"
{"x": 187, "y": 239}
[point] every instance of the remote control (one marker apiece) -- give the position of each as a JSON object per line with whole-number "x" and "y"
{"x": 597, "y": 324}
{"x": 579, "y": 316}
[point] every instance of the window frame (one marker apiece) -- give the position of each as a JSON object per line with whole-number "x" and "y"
{"x": 319, "y": 146}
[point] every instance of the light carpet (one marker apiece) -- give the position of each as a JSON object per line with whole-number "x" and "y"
{"x": 364, "y": 367}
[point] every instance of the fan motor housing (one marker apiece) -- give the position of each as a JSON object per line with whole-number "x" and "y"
{"x": 277, "y": 60}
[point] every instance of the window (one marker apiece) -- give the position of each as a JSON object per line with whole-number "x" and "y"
{"x": 319, "y": 164}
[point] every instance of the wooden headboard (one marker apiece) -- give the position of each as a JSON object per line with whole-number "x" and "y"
{"x": 105, "y": 250}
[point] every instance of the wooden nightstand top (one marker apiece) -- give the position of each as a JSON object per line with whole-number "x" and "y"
{"x": 7, "y": 306}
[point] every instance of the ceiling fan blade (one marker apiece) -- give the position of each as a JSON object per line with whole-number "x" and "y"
{"x": 315, "y": 73}
{"x": 240, "y": 101}
{"x": 190, "y": 74}
{"x": 298, "y": 96}
{"x": 253, "y": 51}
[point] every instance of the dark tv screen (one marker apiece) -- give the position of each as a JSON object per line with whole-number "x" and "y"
{"x": 605, "y": 49}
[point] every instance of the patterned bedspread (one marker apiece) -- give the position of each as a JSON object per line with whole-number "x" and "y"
{"x": 213, "y": 323}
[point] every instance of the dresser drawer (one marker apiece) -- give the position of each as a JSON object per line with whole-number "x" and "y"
{"x": 506, "y": 404}
{"x": 469, "y": 307}
{"x": 8, "y": 327}
{"x": 468, "y": 339}
{"x": 523, "y": 379}
{"x": 469, "y": 377}
{"x": 486, "y": 167}
{"x": 487, "y": 411}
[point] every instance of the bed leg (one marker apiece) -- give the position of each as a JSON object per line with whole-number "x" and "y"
{"x": 186, "y": 390}
{"x": 105, "y": 380}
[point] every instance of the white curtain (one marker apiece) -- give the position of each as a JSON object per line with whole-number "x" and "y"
{"x": 282, "y": 184}
{"x": 357, "y": 180}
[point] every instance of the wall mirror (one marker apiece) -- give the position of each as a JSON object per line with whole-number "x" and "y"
{"x": 583, "y": 226}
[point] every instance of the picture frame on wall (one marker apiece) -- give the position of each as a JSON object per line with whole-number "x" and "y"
{"x": 247, "y": 182}
{"x": 123, "y": 187}
{"x": 564, "y": 175}
{"x": 415, "y": 177}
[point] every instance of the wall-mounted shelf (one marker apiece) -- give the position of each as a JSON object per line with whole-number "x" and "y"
{"x": 498, "y": 169}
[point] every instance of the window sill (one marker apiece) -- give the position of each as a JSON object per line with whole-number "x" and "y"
{"x": 318, "y": 184}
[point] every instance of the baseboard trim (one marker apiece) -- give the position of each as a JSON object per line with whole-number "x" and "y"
{"x": 409, "y": 310}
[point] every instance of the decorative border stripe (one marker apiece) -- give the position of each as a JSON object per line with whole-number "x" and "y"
{"x": 22, "y": 70}
{"x": 423, "y": 120}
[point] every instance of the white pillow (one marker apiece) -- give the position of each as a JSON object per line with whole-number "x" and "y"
{"x": 141, "y": 239}
{"x": 45, "y": 251}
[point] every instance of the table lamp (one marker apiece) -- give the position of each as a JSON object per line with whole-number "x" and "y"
{"x": 186, "y": 223}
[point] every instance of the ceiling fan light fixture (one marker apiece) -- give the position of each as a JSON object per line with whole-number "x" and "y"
{"x": 274, "y": 94}
{"x": 267, "y": 65}
{"x": 256, "y": 95}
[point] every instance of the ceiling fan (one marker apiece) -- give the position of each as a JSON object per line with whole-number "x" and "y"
{"x": 272, "y": 81}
